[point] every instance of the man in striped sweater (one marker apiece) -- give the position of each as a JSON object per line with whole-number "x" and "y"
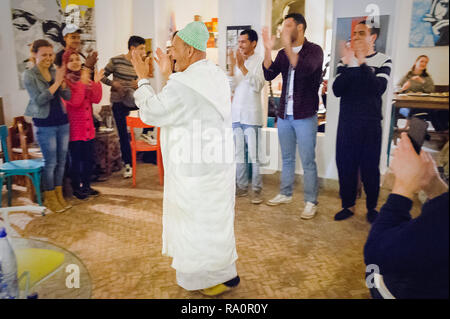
{"x": 123, "y": 84}
{"x": 362, "y": 78}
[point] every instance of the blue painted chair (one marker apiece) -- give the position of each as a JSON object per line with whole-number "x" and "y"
{"x": 31, "y": 168}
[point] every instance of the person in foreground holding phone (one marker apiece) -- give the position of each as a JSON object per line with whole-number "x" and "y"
{"x": 412, "y": 254}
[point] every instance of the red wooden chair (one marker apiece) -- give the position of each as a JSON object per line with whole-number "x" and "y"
{"x": 142, "y": 146}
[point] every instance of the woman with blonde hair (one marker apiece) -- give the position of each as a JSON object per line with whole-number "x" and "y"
{"x": 417, "y": 79}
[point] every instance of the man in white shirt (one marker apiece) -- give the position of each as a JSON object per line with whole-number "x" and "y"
{"x": 247, "y": 80}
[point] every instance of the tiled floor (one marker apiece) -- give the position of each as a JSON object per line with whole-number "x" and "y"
{"x": 118, "y": 238}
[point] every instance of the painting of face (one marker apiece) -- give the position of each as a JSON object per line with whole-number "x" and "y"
{"x": 349, "y": 31}
{"x": 281, "y": 8}
{"x": 46, "y": 19}
{"x": 429, "y": 23}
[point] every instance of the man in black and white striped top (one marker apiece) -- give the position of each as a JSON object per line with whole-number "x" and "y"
{"x": 123, "y": 84}
{"x": 362, "y": 78}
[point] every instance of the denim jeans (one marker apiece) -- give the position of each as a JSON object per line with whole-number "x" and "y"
{"x": 246, "y": 139}
{"x": 54, "y": 142}
{"x": 302, "y": 133}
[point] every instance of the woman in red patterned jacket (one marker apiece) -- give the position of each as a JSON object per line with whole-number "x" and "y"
{"x": 85, "y": 92}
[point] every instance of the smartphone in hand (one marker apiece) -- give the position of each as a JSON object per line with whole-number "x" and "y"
{"x": 417, "y": 132}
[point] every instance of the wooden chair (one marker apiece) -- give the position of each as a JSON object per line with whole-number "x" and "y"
{"x": 21, "y": 138}
{"x": 22, "y": 147}
{"x": 30, "y": 168}
{"x": 142, "y": 146}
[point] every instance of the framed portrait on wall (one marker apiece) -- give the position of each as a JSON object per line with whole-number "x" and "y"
{"x": 429, "y": 23}
{"x": 344, "y": 30}
{"x": 233, "y": 33}
{"x": 44, "y": 19}
{"x": 280, "y": 9}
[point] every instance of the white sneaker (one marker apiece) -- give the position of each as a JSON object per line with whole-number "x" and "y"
{"x": 309, "y": 211}
{"x": 128, "y": 172}
{"x": 149, "y": 138}
{"x": 279, "y": 199}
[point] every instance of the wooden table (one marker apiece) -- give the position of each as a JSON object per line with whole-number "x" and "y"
{"x": 420, "y": 102}
{"x": 414, "y": 102}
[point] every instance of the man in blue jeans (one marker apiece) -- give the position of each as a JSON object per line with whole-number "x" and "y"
{"x": 300, "y": 63}
{"x": 247, "y": 80}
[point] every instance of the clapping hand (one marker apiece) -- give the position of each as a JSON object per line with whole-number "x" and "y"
{"x": 286, "y": 38}
{"x": 60, "y": 74}
{"x": 347, "y": 54}
{"x": 361, "y": 49}
{"x": 85, "y": 76}
{"x": 239, "y": 59}
{"x": 98, "y": 75}
{"x": 269, "y": 42}
{"x": 232, "y": 58}
{"x": 164, "y": 62}
{"x": 91, "y": 60}
{"x": 141, "y": 67}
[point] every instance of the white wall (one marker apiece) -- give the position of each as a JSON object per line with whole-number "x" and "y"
{"x": 185, "y": 10}
{"x": 315, "y": 16}
{"x": 14, "y": 99}
{"x": 406, "y": 56}
{"x": 113, "y": 20}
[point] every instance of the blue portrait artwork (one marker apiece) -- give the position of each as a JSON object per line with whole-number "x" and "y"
{"x": 429, "y": 23}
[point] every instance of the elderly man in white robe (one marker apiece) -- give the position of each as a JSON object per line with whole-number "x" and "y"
{"x": 194, "y": 113}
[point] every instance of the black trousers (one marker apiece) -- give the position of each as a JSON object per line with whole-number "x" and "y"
{"x": 82, "y": 163}
{"x": 121, "y": 112}
{"x": 358, "y": 147}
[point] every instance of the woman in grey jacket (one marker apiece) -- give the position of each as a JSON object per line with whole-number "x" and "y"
{"x": 46, "y": 87}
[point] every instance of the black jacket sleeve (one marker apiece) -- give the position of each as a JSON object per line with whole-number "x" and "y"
{"x": 398, "y": 243}
{"x": 275, "y": 68}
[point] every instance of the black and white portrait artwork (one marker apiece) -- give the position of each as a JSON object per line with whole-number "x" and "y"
{"x": 46, "y": 19}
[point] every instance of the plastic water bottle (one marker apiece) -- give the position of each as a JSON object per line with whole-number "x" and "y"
{"x": 9, "y": 288}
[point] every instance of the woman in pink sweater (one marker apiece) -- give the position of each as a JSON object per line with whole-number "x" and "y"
{"x": 85, "y": 92}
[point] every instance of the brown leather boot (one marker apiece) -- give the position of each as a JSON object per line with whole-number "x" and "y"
{"x": 51, "y": 202}
{"x": 60, "y": 197}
